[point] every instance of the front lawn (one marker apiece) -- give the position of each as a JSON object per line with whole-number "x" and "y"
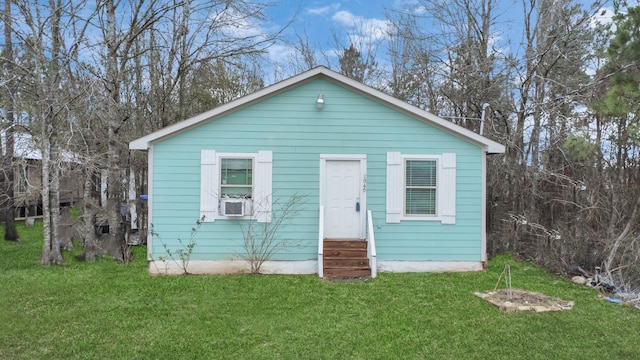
{"x": 105, "y": 310}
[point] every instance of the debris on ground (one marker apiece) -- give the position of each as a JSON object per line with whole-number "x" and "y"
{"x": 605, "y": 285}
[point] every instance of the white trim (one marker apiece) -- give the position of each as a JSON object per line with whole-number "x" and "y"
{"x": 321, "y": 242}
{"x": 429, "y": 266}
{"x": 487, "y": 145}
{"x": 362, "y": 158}
{"x": 483, "y": 211}
{"x": 447, "y": 188}
{"x": 395, "y": 188}
{"x": 209, "y": 170}
{"x": 149, "y": 204}
{"x": 159, "y": 267}
{"x": 343, "y": 156}
{"x": 262, "y": 186}
{"x": 371, "y": 245}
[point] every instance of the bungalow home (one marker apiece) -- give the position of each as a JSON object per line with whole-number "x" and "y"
{"x": 386, "y": 185}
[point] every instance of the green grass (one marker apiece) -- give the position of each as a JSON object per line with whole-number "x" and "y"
{"x": 105, "y": 310}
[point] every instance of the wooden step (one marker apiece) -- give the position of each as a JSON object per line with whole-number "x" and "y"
{"x": 346, "y": 259}
{"x": 346, "y": 263}
{"x": 345, "y": 244}
{"x": 340, "y": 253}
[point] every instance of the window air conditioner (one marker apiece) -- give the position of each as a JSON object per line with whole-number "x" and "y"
{"x": 232, "y": 207}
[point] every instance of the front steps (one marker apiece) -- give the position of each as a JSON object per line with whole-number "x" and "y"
{"x": 346, "y": 259}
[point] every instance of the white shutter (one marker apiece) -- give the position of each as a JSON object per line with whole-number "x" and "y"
{"x": 262, "y": 191}
{"x": 208, "y": 186}
{"x": 447, "y": 188}
{"x": 395, "y": 187}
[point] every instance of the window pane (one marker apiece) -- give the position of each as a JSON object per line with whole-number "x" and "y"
{"x": 421, "y": 173}
{"x": 421, "y": 201}
{"x": 236, "y": 171}
{"x": 236, "y": 177}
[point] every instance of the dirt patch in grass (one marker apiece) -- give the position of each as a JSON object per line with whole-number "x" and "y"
{"x": 515, "y": 300}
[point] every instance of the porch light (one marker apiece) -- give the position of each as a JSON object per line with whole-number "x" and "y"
{"x": 320, "y": 101}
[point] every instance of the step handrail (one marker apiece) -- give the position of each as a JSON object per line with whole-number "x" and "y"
{"x": 371, "y": 249}
{"x": 321, "y": 242}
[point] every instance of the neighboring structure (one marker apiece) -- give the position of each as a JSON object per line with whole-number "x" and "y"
{"x": 27, "y": 184}
{"x": 370, "y": 167}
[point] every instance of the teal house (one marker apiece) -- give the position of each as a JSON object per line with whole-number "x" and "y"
{"x": 385, "y": 186}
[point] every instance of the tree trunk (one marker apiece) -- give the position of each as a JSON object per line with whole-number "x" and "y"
{"x": 51, "y": 247}
{"x": 11, "y": 233}
{"x": 92, "y": 248}
{"x": 51, "y": 149}
{"x": 114, "y": 188}
{"x": 54, "y": 197}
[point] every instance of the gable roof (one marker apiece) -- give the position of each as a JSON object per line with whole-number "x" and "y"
{"x": 488, "y": 145}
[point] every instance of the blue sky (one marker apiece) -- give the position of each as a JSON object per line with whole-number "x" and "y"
{"x": 316, "y": 20}
{"x": 319, "y": 17}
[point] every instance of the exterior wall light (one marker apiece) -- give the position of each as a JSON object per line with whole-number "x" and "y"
{"x": 320, "y": 101}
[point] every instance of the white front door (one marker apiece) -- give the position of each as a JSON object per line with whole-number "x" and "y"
{"x": 343, "y": 205}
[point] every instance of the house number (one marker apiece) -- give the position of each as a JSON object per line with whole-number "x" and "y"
{"x": 364, "y": 184}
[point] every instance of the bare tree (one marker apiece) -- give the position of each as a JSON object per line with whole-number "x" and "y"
{"x": 306, "y": 54}
{"x": 412, "y": 77}
{"x": 11, "y": 233}
{"x": 446, "y": 57}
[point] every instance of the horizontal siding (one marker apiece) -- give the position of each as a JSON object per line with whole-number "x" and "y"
{"x": 296, "y": 131}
